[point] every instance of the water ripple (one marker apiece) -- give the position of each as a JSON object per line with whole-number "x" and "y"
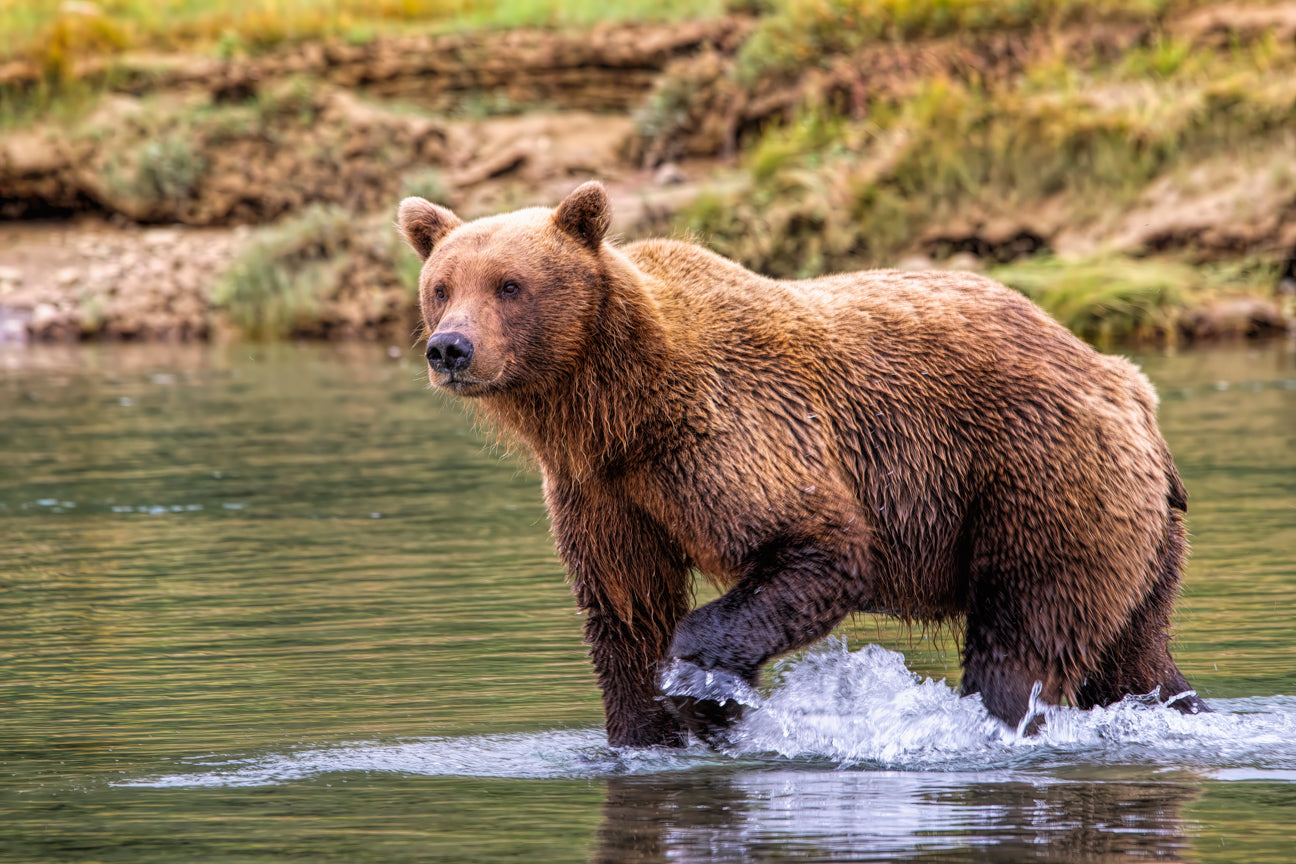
{"x": 835, "y": 708}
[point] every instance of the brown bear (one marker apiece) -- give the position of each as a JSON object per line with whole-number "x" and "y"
{"x": 925, "y": 445}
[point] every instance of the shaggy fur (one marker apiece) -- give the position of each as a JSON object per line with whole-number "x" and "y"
{"x": 925, "y": 445}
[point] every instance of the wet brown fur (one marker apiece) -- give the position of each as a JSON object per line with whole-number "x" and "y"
{"x": 926, "y": 445}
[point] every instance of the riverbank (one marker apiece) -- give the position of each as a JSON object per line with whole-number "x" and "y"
{"x": 1129, "y": 170}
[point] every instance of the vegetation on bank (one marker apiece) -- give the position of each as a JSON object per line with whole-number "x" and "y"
{"x": 800, "y": 33}
{"x": 279, "y": 282}
{"x": 1021, "y": 132}
{"x": 59, "y": 56}
{"x": 1003, "y": 168}
{"x": 830, "y": 192}
{"x": 1112, "y": 300}
{"x": 321, "y": 272}
{"x": 58, "y": 36}
{"x": 792, "y": 32}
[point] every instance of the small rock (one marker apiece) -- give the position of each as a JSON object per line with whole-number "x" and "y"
{"x": 669, "y": 174}
{"x": 13, "y": 331}
{"x": 43, "y": 316}
{"x": 915, "y": 263}
{"x": 156, "y": 237}
{"x": 104, "y": 272}
{"x": 89, "y": 247}
{"x": 1000, "y": 232}
{"x": 13, "y": 325}
{"x": 9, "y": 280}
{"x": 963, "y": 261}
{"x": 1237, "y": 316}
{"x": 67, "y": 276}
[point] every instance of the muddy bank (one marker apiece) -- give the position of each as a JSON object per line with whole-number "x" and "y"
{"x": 201, "y": 141}
{"x": 91, "y": 279}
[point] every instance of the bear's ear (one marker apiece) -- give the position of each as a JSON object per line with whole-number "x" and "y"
{"x": 585, "y": 214}
{"x": 424, "y": 224}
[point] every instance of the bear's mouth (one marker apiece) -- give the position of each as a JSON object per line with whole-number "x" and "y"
{"x": 463, "y": 385}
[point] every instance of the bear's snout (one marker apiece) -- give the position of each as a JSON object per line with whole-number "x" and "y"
{"x": 449, "y": 352}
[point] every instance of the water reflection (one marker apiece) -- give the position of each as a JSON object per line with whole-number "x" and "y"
{"x": 869, "y": 816}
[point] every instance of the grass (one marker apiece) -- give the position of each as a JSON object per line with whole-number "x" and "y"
{"x": 154, "y": 161}
{"x": 64, "y": 41}
{"x": 151, "y": 164}
{"x": 425, "y": 183}
{"x": 1108, "y": 300}
{"x": 807, "y": 32}
{"x": 280, "y": 281}
{"x": 169, "y": 169}
{"x": 286, "y": 279}
{"x": 186, "y": 157}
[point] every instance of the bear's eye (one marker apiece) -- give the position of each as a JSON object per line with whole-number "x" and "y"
{"x": 508, "y": 289}
{"x": 439, "y": 293}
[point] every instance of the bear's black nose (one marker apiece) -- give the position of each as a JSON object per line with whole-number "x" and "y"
{"x": 449, "y": 352}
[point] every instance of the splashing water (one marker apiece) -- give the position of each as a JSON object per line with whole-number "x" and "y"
{"x": 861, "y": 710}
{"x": 864, "y": 708}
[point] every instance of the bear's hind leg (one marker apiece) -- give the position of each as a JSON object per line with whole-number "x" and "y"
{"x": 1139, "y": 661}
{"x": 1012, "y": 644}
{"x": 1133, "y": 666}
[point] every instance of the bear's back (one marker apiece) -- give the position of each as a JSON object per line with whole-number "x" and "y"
{"x": 954, "y": 353}
{"x": 952, "y": 321}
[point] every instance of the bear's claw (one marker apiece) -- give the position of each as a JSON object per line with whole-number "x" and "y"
{"x": 706, "y": 701}
{"x": 708, "y": 719}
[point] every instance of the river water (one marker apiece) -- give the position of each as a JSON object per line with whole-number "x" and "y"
{"x": 267, "y": 603}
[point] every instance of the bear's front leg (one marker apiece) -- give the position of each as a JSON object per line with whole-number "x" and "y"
{"x": 792, "y": 593}
{"x": 626, "y": 664}
{"x": 633, "y": 584}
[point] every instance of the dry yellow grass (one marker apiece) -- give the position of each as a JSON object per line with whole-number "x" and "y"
{"x": 55, "y": 34}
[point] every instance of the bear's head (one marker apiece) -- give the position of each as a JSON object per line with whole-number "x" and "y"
{"x": 509, "y": 301}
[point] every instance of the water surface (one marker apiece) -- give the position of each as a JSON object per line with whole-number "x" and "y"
{"x": 265, "y": 603}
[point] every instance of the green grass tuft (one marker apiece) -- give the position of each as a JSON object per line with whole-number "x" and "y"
{"x": 278, "y": 283}
{"x": 1108, "y": 300}
{"x": 426, "y": 183}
